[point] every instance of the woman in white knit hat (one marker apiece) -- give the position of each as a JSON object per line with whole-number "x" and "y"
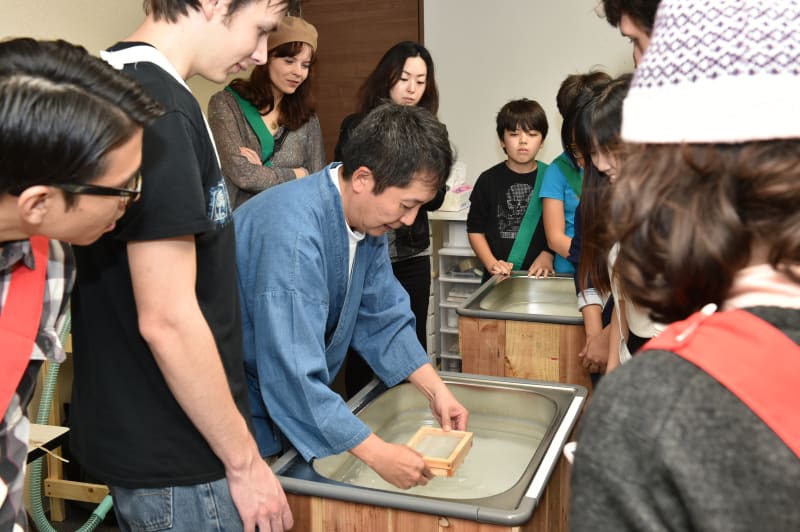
{"x": 265, "y": 127}
{"x": 701, "y": 431}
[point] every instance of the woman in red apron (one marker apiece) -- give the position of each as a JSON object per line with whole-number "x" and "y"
{"x": 701, "y": 430}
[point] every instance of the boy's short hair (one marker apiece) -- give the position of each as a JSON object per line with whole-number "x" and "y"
{"x": 171, "y": 10}
{"x": 521, "y": 114}
{"x": 396, "y": 142}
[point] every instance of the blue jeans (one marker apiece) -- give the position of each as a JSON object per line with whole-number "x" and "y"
{"x": 202, "y": 507}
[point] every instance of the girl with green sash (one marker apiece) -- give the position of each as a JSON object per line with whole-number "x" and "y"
{"x": 504, "y": 222}
{"x": 561, "y": 189}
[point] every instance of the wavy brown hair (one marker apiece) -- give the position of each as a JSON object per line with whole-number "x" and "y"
{"x": 688, "y": 218}
{"x": 296, "y": 108}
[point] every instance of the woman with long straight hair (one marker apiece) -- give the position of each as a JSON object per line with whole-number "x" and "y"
{"x": 405, "y": 76}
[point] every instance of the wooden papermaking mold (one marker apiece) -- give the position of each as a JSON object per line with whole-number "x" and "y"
{"x": 442, "y": 451}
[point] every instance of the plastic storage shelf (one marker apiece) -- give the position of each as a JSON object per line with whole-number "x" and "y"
{"x": 458, "y": 277}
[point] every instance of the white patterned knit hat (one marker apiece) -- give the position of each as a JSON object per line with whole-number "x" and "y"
{"x": 718, "y": 71}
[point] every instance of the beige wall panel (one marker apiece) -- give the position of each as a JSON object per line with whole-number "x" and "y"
{"x": 94, "y": 24}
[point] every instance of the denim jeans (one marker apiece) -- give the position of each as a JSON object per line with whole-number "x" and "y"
{"x": 202, "y": 507}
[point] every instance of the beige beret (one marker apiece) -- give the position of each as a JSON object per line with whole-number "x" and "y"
{"x": 293, "y": 29}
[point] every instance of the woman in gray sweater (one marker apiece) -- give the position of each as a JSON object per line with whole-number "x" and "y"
{"x": 265, "y": 127}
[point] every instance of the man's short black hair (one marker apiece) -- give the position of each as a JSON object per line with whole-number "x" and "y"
{"x": 61, "y": 111}
{"x": 397, "y": 142}
{"x": 643, "y": 12}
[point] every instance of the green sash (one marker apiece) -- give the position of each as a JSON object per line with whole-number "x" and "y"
{"x": 573, "y": 175}
{"x": 529, "y": 222}
{"x": 253, "y": 118}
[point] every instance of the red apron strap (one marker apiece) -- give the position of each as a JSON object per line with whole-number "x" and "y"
{"x": 20, "y": 319}
{"x": 751, "y": 358}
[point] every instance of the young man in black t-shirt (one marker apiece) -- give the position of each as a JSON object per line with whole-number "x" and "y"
{"x": 159, "y": 401}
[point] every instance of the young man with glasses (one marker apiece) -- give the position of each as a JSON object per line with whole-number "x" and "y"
{"x": 71, "y": 130}
{"x": 131, "y": 192}
{"x": 159, "y": 407}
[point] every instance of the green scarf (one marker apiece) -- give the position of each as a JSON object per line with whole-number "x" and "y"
{"x": 529, "y": 222}
{"x": 253, "y": 118}
{"x": 573, "y": 175}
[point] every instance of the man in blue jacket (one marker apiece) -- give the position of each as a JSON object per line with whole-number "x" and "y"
{"x": 315, "y": 278}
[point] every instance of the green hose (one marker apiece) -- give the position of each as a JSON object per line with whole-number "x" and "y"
{"x": 35, "y": 479}
{"x": 98, "y": 514}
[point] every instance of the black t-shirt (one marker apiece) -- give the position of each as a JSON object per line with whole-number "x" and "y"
{"x": 127, "y": 428}
{"x": 497, "y": 205}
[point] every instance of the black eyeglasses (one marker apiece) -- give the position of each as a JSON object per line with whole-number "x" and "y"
{"x": 96, "y": 190}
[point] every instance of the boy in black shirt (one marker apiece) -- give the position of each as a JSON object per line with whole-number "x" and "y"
{"x": 500, "y": 200}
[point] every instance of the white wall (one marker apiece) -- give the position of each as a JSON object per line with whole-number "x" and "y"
{"x": 91, "y": 23}
{"x": 487, "y": 53}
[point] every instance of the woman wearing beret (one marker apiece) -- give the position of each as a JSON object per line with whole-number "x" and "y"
{"x": 265, "y": 126}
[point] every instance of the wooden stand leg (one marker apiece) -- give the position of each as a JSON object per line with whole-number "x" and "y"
{"x": 55, "y": 468}
{"x": 56, "y": 487}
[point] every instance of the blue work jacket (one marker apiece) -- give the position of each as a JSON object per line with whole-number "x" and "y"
{"x": 299, "y": 315}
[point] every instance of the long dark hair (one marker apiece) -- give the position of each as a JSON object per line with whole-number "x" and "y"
{"x": 689, "y": 216}
{"x": 296, "y": 108}
{"x": 597, "y": 127}
{"x": 376, "y": 87}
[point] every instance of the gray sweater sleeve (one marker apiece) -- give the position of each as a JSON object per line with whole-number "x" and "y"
{"x": 302, "y": 148}
{"x": 664, "y": 447}
{"x": 315, "y": 149}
